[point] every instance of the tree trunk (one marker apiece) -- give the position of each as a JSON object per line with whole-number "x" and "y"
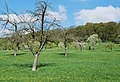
{"x": 65, "y": 51}
{"x": 65, "y": 44}
{"x": 15, "y": 52}
{"x": 89, "y": 47}
{"x": 34, "y": 67}
{"x": 81, "y": 47}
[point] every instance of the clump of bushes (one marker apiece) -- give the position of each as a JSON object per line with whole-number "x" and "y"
{"x": 109, "y": 46}
{"x": 50, "y": 45}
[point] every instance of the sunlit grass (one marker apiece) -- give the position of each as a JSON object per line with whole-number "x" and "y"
{"x": 79, "y": 66}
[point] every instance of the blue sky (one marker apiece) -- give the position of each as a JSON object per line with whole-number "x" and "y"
{"x": 78, "y": 12}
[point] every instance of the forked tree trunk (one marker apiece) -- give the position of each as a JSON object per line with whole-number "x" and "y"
{"x": 34, "y": 67}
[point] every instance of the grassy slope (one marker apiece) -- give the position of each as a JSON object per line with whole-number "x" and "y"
{"x": 85, "y": 66}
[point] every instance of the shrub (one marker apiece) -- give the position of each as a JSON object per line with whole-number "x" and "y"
{"x": 109, "y": 46}
{"x": 61, "y": 45}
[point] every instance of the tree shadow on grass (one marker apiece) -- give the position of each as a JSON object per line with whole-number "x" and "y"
{"x": 30, "y": 65}
{"x": 108, "y": 51}
{"x": 18, "y": 54}
{"x": 62, "y": 53}
{"x": 117, "y": 50}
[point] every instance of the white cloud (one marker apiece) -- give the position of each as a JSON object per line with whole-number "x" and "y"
{"x": 5, "y": 31}
{"x": 14, "y": 19}
{"x": 17, "y": 18}
{"x": 60, "y": 14}
{"x": 99, "y": 14}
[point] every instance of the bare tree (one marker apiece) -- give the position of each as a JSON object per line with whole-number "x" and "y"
{"x": 62, "y": 35}
{"x": 66, "y": 36}
{"x": 11, "y": 20}
{"x": 78, "y": 42}
{"x": 39, "y": 26}
{"x": 34, "y": 30}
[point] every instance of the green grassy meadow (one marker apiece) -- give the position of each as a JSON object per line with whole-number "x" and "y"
{"x": 79, "y": 66}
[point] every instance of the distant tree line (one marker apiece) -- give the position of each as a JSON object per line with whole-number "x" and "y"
{"x": 107, "y": 32}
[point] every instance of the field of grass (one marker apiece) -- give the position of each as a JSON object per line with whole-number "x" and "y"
{"x": 79, "y": 66}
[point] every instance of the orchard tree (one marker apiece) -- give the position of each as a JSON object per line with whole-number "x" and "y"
{"x": 109, "y": 46}
{"x": 118, "y": 39}
{"x": 41, "y": 22}
{"x": 92, "y": 41}
{"x": 62, "y": 36}
{"x": 11, "y": 22}
{"x": 66, "y": 36}
{"x": 78, "y": 43}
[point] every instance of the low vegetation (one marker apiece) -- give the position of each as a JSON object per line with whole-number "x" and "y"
{"x": 88, "y": 53}
{"x": 98, "y": 65}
